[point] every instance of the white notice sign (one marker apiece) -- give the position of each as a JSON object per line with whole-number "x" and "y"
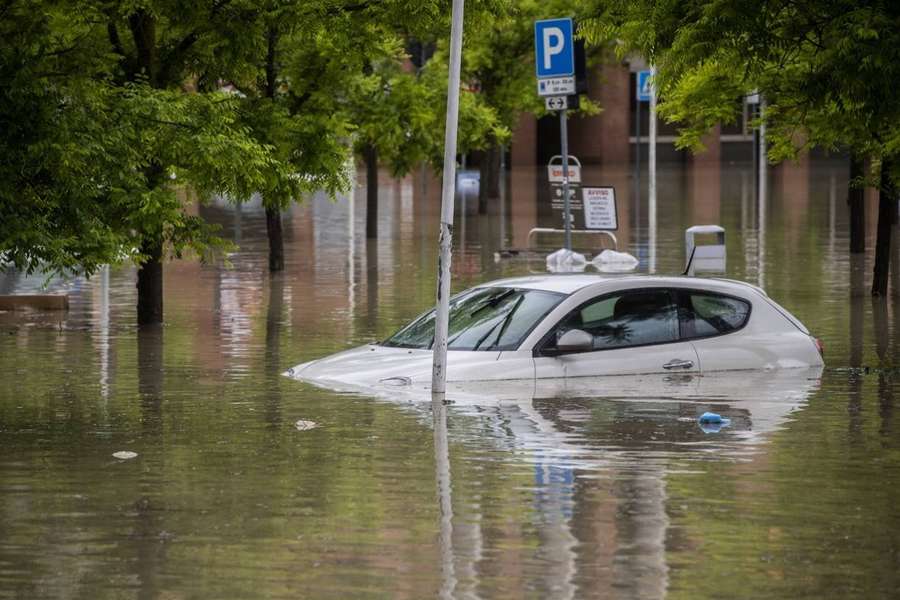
{"x": 600, "y": 208}
{"x": 556, "y": 86}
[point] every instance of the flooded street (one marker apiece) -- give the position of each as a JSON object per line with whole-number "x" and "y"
{"x": 608, "y": 489}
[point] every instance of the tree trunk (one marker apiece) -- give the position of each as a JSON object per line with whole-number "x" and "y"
{"x": 276, "y": 239}
{"x": 887, "y": 216}
{"x": 150, "y": 282}
{"x": 856, "y": 199}
{"x": 371, "y": 157}
{"x": 489, "y": 186}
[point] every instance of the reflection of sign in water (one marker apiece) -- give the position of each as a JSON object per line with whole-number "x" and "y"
{"x": 600, "y": 208}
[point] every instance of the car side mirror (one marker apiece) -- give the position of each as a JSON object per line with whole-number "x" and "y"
{"x": 575, "y": 340}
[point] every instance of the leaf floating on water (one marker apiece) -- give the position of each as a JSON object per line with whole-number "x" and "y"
{"x": 125, "y": 454}
{"x": 302, "y": 425}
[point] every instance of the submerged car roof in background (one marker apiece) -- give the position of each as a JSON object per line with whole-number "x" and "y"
{"x": 569, "y": 283}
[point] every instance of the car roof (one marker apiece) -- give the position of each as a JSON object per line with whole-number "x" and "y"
{"x": 569, "y": 283}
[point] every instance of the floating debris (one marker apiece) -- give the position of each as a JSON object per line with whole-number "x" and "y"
{"x": 125, "y": 454}
{"x": 302, "y": 425}
{"x": 710, "y": 417}
{"x": 711, "y": 422}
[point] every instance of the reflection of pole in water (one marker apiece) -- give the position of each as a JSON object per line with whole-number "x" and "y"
{"x": 554, "y": 497}
{"x": 641, "y": 565}
{"x": 104, "y": 332}
{"x": 442, "y": 475}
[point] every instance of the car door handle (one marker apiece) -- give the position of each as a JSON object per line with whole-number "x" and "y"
{"x": 678, "y": 364}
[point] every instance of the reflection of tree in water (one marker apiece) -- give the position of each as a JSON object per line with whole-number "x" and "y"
{"x": 148, "y": 539}
{"x": 273, "y": 366}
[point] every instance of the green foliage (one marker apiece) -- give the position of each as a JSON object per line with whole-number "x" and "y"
{"x": 108, "y": 108}
{"x": 825, "y": 68}
{"x": 499, "y": 57}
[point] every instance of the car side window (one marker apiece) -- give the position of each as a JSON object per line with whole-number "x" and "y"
{"x": 706, "y": 314}
{"x": 634, "y": 318}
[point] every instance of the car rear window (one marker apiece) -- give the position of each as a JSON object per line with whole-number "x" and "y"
{"x": 707, "y": 314}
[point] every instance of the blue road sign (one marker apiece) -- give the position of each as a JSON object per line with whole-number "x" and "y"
{"x": 643, "y": 86}
{"x": 553, "y": 48}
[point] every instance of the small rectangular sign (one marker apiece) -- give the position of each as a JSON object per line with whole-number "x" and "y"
{"x": 556, "y": 86}
{"x": 600, "y": 208}
{"x": 556, "y": 102}
{"x": 557, "y": 200}
{"x": 555, "y": 173}
{"x": 643, "y": 86}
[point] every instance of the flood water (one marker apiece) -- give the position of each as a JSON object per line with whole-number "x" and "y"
{"x": 603, "y": 490}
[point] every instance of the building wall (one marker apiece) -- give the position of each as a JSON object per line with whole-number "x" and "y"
{"x": 606, "y": 138}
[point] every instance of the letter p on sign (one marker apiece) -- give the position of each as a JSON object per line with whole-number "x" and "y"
{"x": 553, "y": 44}
{"x": 554, "y": 53}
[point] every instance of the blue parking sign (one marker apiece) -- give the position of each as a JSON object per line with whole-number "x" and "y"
{"x": 643, "y": 86}
{"x": 553, "y": 48}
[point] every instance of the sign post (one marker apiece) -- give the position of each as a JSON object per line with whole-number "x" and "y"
{"x": 554, "y": 51}
{"x": 641, "y": 95}
{"x": 448, "y": 191}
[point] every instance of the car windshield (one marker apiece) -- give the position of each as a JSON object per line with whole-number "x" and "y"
{"x": 482, "y": 319}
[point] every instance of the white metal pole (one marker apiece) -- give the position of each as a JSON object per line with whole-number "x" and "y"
{"x": 763, "y": 162}
{"x": 763, "y": 167}
{"x": 442, "y": 311}
{"x": 564, "y": 143}
{"x": 651, "y": 191}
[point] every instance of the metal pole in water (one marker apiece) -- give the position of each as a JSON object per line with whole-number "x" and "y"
{"x": 761, "y": 200}
{"x": 763, "y": 162}
{"x": 651, "y": 191}
{"x": 442, "y": 311}
{"x": 564, "y": 142}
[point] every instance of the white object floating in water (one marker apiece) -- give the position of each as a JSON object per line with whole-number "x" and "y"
{"x": 612, "y": 261}
{"x": 302, "y": 425}
{"x": 565, "y": 261}
{"x": 125, "y": 454}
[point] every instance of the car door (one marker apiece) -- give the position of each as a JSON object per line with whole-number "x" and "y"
{"x": 633, "y": 332}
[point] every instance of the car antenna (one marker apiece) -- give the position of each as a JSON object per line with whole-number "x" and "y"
{"x": 687, "y": 267}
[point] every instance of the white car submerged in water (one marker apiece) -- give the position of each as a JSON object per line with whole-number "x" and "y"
{"x": 566, "y": 326}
